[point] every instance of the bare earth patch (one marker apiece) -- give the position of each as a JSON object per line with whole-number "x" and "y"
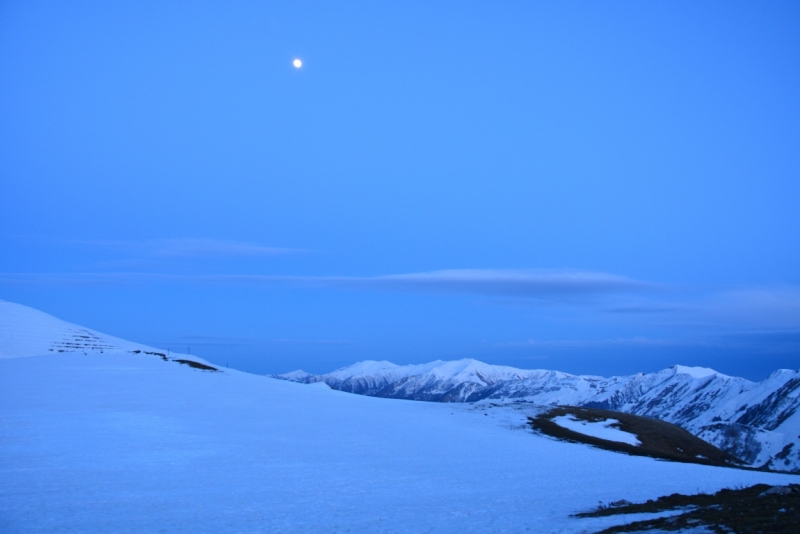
{"x": 197, "y": 365}
{"x": 658, "y": 439}
{"x": 754, "y": 510}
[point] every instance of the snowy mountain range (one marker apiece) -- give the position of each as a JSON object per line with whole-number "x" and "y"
{"x": 757, "y": 422}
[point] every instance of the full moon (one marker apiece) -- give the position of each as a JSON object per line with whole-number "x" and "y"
{"x": 297, "y": 63}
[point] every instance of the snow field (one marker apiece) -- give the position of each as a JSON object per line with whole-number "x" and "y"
{"x": 598, "y": 429}
{"x": 130, "y": 443}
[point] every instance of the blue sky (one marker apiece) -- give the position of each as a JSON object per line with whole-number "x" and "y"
{"x": 591, "y": 187}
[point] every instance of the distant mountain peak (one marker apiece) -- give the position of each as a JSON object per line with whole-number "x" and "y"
{"x": 695, "y": 372}
{"x": 296, "y": 375}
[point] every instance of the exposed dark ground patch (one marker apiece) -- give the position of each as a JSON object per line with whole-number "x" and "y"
{"x": 190, "y": 363}
{"x": 659, "y": 439}
{"x": 159, "y": 354}
{"x": 743, "y": 511}
{"x": 197, "y": 365}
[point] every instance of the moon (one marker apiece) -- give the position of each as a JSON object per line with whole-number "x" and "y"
{"x": 297, "y": 63}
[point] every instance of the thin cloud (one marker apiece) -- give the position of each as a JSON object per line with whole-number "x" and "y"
{"x": 223, "y": 341}
{"x": 211, "y": 340}
{"x": 85, "y": 279}
{"x": 500, "y": 282}
{"x": 312, "y": 342}
{"x": 644, "y": 310}
{"x": 765, "y": 307}
{"x": 508, "y": 283}
{"x": 636, "y": 341}
{"x": 214, "y": 247}
{"x": 772, "y": 336}
{"x": 190, "y": 247}
{"x": 699, "y": 314}
{"x": 767, "y": 341}
{"x": 760, "y": 341}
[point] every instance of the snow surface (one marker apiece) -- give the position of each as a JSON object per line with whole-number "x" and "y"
{"x": 130, "y": 443}
{"x": 695, "y": 372}
{"x": 26, "y": 331}
{"x": 116, "y": 441}
{"x": 598, "y": 429}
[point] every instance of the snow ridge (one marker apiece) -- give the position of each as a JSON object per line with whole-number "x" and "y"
{"x": 758, "y": 423}
{"x": 26, "y": 332}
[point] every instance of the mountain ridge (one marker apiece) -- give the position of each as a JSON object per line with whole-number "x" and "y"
{"x": 757, "y": 422}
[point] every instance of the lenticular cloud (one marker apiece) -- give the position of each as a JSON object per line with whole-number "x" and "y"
{"x": 505, "y": 282}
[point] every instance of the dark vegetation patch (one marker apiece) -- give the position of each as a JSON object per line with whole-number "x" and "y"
{"x": 161, "y": 354}
{"x": 659, "y": 439}
{"x": 197, "y": 365}
{"x": 754, "y": 510}
{"x": 190, "y": 363}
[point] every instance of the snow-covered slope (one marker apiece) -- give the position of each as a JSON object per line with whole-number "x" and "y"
{"x": 25, "y": 331}
{"x": 756, "y": 422}
{"x": 129, "y": 443}
{"x": 125, "y": 442}
{"x": 109, "y": 438}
